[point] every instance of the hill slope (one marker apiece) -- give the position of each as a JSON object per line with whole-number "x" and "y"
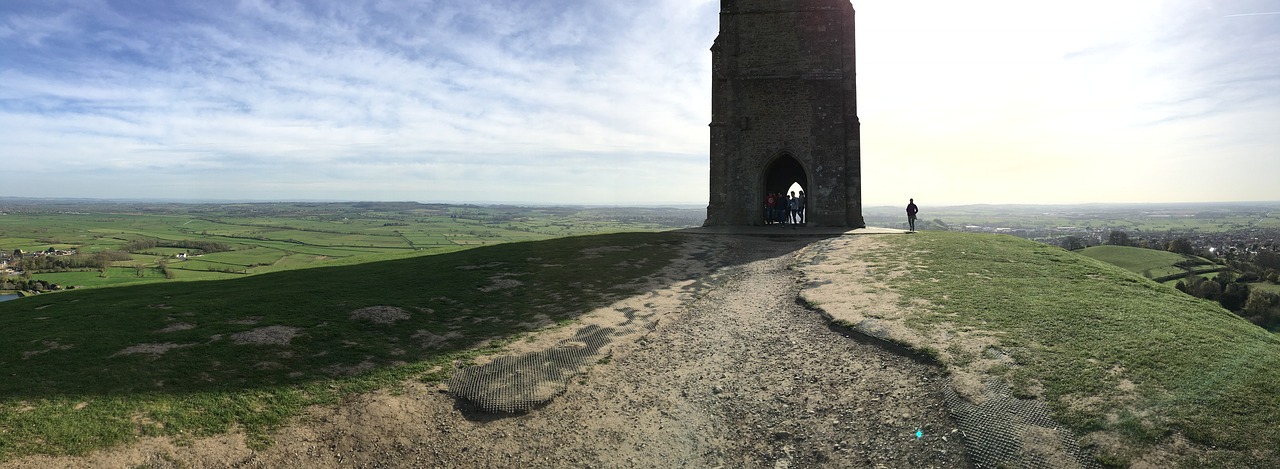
{"x": 1143, "y": 372}
{"x": 1137, "y": 367}
{"x": 100, "y": 367}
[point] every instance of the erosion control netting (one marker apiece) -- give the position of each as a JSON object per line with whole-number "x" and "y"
{"x": 1004, "y": 431}
{"x": 518, "y": 384}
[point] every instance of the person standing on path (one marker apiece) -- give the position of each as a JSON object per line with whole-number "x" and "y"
{"x": 912, "y": 210}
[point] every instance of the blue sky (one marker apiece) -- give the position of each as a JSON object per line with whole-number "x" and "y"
{"x": 604, "y": 102}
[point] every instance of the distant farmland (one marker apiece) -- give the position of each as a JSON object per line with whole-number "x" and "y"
{"x": 269, "y": 237}
{"x": 1157, "y": 265}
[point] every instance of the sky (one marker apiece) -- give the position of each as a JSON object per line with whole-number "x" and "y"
{"x": 607, "y": 102}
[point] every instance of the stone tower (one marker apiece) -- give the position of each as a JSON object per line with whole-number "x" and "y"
{"x": 785, "y": 110}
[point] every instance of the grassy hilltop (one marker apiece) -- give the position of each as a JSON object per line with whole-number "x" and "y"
{"x": 1131, "y": 364}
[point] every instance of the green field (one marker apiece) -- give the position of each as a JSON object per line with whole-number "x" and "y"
{"x": 271, "y": 237}
{"x": 114, "y": 276}
{"x": 1266, "y": 286}
{"x": 1150, "y": 263}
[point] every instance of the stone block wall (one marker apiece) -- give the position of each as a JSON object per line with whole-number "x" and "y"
{"x": 783, "y": 87}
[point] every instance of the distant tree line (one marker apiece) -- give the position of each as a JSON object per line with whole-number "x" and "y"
{"x": 1263, "y": 309}
{"x": 1178, "y": 244}
{"x": 97, "y": 260}
{"x": 1234, "y": 293}
{"x": 1262, "y": 265}
{"x": 192, "y": 244}
{"x": 1255, "y": 304}
{"x": 27, "y": 284}
{"x": 1222, "y": 288}
{"x": 1229, "y": 288}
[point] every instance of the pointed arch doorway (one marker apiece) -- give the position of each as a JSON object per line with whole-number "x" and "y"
{"x": 781, "y": 176}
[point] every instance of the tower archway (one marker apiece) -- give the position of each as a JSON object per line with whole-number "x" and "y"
{"x": 781, "y": 174}
{"x": 784, "y": 171}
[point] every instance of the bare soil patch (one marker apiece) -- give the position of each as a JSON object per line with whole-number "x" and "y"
{"x": 380, "y": 314}
{"x": 270, "y": 335}
{"x": 428, "y": 339}
{"x": 501, "y": 281}
{"x": 49, "y": 346}
{"x": 177, "y": 326}
{"x": 150, "y": 349}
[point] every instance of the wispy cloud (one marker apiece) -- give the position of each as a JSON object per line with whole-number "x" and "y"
{"x": 185, "y": 87}
{"x": 1253, "y": 14}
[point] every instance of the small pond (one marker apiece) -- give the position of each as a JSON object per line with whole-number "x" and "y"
{"x": 8, "y": 297}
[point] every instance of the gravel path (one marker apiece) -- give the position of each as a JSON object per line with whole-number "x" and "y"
{"x": 738, "y": 375}
{"x": 743, "y": 376}
{"x": 766, "y": 383}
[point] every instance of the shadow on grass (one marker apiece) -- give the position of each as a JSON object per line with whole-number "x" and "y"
{"x": 297, "y": 328}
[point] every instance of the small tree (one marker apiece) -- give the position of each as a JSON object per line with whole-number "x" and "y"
{"x": 1263, "y": 308}
{"x": 1234, "y": 296}
{"x": 1267, "y": 259}
{"x": 1118, "y": 238}
{"x": 164, "y": 269}
{"x": 1208, "y": 290}
{"x": 1181, "y": 246}
{"x": 1073, "y": 243}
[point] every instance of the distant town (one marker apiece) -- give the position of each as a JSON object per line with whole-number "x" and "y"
{"x": 1215, "y": 229}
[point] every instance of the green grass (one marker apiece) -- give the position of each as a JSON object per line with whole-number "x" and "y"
{"x": 1265, "y": 286}
{"x": 94, "y": 278}
{"x": 245, "y": 257}
{"x": 1149, "y": 263}
{"x": 1081, "y": 330}
{"x": 69, "y": 390}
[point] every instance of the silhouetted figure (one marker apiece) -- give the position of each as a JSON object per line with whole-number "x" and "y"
{"x": 793, "y": 207}
{"x": 803, "y": 205}
{"x": 912, "y": 210}
{"x": 770, "y": 206}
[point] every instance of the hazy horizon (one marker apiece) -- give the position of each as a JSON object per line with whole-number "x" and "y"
{"x": 685, "y": 206}
{"x": 607, "y": 103}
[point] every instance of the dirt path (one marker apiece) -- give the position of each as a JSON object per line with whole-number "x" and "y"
{"x": 733, "y": 374}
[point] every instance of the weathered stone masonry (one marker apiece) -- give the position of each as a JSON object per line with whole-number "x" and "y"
{"x": 784, "y": 110}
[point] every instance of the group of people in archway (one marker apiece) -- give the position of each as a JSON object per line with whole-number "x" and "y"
{"x": 785, "y": 209}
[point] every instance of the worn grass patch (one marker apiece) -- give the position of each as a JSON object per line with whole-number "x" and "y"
{"x": 1116, "y": 356}
{"x": 87, "y": 369}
